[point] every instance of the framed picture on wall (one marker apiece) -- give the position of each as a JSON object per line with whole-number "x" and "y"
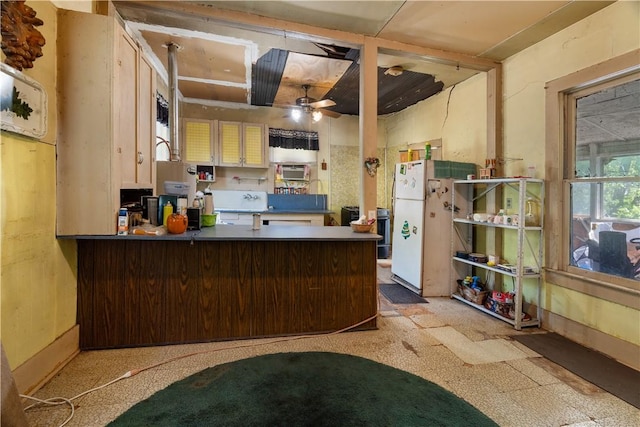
{"x": 23, "y": 103}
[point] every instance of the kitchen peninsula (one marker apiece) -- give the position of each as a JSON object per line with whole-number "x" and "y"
{"x": 224, "y": 282}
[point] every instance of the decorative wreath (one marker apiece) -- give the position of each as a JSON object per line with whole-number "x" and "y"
{"x": 372, "y": 164}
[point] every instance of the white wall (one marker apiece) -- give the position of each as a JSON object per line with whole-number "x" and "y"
{"x": 601, "y": 36}
{"x": 458, "y": 116}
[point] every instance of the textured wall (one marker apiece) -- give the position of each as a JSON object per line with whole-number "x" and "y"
{"x": 37, "y": 279}
{"x": 599, "y": 37}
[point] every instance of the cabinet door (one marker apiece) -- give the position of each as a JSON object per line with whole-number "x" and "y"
{"x": 125, "y": 105}
{"x": 230, "y": 143}
{"x": 145, "y": 156}
{"x": 253, "y": 138}
{"x": 199, "y": 137}
{"x": 235, "y": 218}
{"x": 242, "y": 144}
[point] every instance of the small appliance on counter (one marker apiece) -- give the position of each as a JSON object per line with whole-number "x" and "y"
{"x": 194, "y": 218}
{"x": 132, "y": 199}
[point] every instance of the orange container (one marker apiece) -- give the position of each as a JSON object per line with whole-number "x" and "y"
{"x": 177, "y": 223}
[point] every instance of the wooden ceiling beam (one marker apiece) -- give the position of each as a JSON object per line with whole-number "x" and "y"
{"x": 437, "y": 55}
{"x": 248, "y": 21}
{"x": 264, "y": 24}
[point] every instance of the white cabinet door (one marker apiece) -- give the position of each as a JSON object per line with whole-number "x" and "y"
{"x": 294, "y": 219}
{"x": 235, "y": 218}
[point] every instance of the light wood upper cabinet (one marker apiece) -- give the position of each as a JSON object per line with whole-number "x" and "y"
{"x": 124, "y": 96}
{"x": 145, "y": 156}
{"x": 242, "y": 144}
{"x": 106, "y": 124}
{"x": 136, "y": 115}
{"x": 199, "y": 138}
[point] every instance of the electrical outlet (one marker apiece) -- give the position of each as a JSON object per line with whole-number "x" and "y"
{"x": 508, "y": 202}
{"x": 372, "y": 214}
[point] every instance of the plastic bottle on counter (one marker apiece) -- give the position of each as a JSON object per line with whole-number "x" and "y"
{"x": 167, "y": 210}
{"x": 123, "y": 222}
{"x": 182, "y": 206}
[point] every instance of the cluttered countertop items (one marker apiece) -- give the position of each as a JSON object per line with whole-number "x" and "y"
{"x": 227, "y": 232}
{"x": 183, "y": 210}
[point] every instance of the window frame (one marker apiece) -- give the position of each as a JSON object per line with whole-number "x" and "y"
{"x": 560, "y": 154}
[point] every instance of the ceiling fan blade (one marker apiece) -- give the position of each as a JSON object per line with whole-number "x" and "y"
{"x": 323, "y": 103}
{"x": 330, "y": 113}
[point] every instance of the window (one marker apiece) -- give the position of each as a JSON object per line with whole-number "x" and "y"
{"x": 163, "y": 150}
{"x": 593, "y": 139}
{"x": 603, "y": 128}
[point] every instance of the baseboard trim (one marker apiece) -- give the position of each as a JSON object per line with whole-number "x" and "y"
{"x": 619, "y": 350}
{"x": 39, "y": 369}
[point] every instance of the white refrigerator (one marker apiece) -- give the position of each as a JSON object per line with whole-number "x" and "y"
{"x": 421, "y": 244}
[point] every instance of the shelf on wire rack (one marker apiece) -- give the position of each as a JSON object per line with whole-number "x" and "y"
{"x": 529, "y": 322}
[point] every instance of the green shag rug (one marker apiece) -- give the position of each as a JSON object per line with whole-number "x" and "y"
{"x": 303, "y": 389}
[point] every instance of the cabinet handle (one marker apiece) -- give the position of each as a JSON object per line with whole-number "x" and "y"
{"x": 140, "y": 157}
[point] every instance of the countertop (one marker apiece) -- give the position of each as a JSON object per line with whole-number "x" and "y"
{"x": 244, "y": 232}
{"x": 281, "y": 211}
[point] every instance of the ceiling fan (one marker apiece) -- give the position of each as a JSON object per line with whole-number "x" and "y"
{"x": 308, "y": 105}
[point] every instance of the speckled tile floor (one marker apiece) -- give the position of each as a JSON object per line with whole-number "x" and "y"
{"x": 444, "y": 341}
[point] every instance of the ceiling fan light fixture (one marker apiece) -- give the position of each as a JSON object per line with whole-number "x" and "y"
{"x": 296, "y": 114}
{"x": 317, "y": 115}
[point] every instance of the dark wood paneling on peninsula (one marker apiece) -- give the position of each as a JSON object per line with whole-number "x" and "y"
{"x": 141, "y": 292}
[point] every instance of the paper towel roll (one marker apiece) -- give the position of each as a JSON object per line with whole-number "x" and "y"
{"x": 182, "y": 205}
{"x": 208, "y": 204}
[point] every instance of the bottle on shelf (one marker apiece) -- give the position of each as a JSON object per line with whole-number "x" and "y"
{"x": 532, "y": 216}
{"x": 427, "y": 151}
